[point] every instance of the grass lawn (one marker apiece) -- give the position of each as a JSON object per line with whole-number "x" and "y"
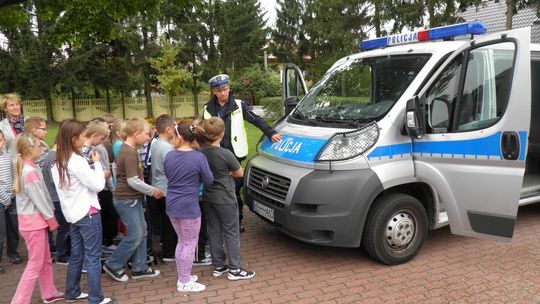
{"x": 52, "y": 129}
{"x": 253, "y": 134}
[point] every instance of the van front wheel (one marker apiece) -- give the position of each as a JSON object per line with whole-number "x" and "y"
{"x": 395, "y": 229}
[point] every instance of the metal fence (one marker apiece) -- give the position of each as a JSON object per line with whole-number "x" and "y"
{"x": 86, "y": 109}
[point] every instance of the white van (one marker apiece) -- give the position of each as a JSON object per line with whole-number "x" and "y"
{"x": 396, "y": 140}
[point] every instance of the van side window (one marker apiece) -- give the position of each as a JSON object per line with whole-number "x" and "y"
{"x": 486, "y": 87}
{"x": 483, "y": 97}
{"x": 442, "y": 97}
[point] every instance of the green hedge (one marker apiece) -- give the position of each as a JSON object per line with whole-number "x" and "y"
{"x": 273, "y": 107}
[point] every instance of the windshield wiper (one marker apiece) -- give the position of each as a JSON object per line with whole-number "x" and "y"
{"x": 303, "y": 117}
{"x": 339, "y": 121}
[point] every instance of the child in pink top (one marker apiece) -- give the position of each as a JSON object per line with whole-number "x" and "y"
{"x": 36, "y": 215}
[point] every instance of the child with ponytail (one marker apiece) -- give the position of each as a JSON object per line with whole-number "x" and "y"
{"x": 36, "y": 215}
{"x": 185, "y": 169}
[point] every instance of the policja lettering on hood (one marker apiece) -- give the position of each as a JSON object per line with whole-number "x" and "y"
{"x": 287, "y": 145}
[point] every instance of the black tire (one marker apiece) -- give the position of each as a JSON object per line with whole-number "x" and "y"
{"x": 395, "y": 229}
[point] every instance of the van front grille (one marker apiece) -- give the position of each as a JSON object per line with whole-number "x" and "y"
{"x": 269, "y": 185}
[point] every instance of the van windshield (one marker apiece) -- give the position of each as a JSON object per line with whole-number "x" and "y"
{"x": 359, "y": 91}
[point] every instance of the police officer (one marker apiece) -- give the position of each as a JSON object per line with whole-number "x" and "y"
{"x": 234, "y": 112}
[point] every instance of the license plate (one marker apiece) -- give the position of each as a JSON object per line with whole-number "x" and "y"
{"x": 263, "y": 211}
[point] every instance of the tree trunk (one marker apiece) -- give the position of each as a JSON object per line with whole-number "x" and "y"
{"x": 194, "y": 89}
{"x": 123, "y": 103}
{"x": 146, "y": 73}
{"x": 45, "y": 54}
{"x": 74, "y": 111}
{"x": 377, "y": 19}
{"x": 49, "y": 106}
{"x": 171, "y": 111}
{"x": 509, "y": 13}
{"x": 212, "y": 50}
{"x": 431, "y": 12}
{"x": 196, "y": 102}
{"x": 108, "y": 99}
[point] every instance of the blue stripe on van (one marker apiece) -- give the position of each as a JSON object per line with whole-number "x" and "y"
{"x": 294, "y": 148}
{"x": 523, "y": 144}
{"x": 487, "y": 147}
{"x": 391, "y": 151}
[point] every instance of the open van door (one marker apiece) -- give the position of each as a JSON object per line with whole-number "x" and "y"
{"x": 293, "y": 85}
{"x": 477, "y": 108}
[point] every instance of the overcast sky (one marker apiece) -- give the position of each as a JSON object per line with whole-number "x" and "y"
{"x": 270, "y": 7}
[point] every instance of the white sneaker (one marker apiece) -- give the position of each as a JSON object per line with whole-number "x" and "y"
{"x": 110, "y": 248}
{"x": 109, "y": 301}
{"x": 82, "y": 297}
{"x": 190, "y": 287}
{"x": 192, "y": 278}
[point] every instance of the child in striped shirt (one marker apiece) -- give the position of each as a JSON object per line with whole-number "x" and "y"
{"x": 6, "y": 192}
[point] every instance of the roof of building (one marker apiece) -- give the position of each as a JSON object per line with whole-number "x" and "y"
{"x": 493, "y": 14}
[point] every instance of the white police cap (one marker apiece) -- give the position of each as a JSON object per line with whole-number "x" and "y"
{"x": 219, "y": 81}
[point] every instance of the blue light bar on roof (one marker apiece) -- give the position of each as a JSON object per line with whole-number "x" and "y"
{"x": 443, "y": 32}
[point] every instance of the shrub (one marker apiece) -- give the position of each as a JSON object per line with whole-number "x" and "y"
{"x": 273, "y": 107}
{"x": 255, "y": 82}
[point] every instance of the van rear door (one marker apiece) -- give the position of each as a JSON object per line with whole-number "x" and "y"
{"x": 478, "y": 114}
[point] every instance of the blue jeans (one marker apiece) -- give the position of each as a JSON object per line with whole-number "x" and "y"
{"x": 133, "y": 245}
{"x": 85, "y": 243}
{"x": 62, "y": 241}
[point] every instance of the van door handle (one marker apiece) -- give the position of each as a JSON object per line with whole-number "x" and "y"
{"x": 510, "y": 145}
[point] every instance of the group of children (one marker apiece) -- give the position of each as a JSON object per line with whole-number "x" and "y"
{"x": 91, "y": 185}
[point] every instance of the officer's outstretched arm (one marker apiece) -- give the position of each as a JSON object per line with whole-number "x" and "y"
{"x": 257, "y": 121}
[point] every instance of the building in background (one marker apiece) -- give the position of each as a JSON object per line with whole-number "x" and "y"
{"x": 493, "y": 14}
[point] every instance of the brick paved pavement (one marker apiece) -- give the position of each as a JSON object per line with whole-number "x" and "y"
{"x": 449, "y": 269}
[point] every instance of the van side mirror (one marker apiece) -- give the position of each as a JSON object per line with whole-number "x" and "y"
{"x": 414, "y": 118}
{"x": 290, "y": 103}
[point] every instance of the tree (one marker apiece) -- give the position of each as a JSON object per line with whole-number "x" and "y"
{"x": 100, "y": 20}
{"x": 287, "y": 32}
{"x": 242, "y": 33}
{"x": 30, "y": 51}
{"x": 172, "y": 76}
{"x": 39, "y": 33}
{"x": 334, "y": 29}
{"x": 189, "y": 25}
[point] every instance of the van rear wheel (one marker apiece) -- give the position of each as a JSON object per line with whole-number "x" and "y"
{"x": 395, "y": 229}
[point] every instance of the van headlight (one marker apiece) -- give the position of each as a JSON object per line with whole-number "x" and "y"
{"x": 342, "y": 146}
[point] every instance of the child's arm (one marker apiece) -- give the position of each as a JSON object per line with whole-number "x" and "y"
{"x": 5, "y": 198}
{"x": 36, "y": 190}
{"x": 92, "y": 179}
{"x": 6, "y": 168}
{"x": 136, "y": 183}
{"x": 131, "y": 164}
{"x": 104, "y": 160}
{"x": 233, "y": 164}
{"x": 238, "y": 173}
{"x": 206, "y": 174}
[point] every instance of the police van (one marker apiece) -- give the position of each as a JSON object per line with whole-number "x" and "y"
{"x": 415, "y": 132}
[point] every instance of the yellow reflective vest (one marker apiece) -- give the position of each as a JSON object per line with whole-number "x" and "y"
{"x": 238, "y": 130}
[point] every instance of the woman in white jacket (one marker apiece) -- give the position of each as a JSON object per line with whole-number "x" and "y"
{"x": 77, "y": 185}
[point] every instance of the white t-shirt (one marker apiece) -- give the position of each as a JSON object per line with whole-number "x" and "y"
{"x": 77, "y": 196}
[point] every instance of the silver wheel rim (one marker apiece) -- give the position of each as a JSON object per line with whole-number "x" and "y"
{"x": 400, "y": 230}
